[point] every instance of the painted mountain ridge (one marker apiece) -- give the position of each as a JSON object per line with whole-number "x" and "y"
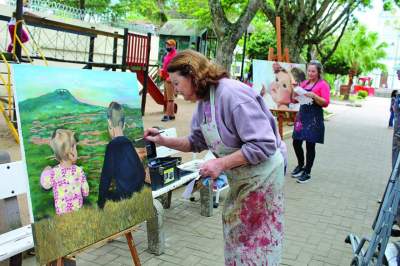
{"x": 60, "y": 101}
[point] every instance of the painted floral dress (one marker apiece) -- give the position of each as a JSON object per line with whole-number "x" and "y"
{"x": 69, "y": 186}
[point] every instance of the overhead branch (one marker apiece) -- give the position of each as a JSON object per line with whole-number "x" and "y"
{"x": 318, "y": 13}
{"x": 219, "y": 18}
{"x": 328, "y": 16}
{"x": 249, "y": 11}
{"x": 269, "y": 12}
{"x": 322, "y": 36}
{"x": 335, "y": 46}
{"x": 348, "y": 10}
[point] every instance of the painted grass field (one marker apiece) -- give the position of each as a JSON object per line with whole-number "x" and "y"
{"x": 62, "y": 235}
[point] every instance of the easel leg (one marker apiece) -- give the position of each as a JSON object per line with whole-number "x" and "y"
{"x": 166, "y": 199}
{"x": 280, "y": 124}
{"x": 16, "y": 260}
{"x": 206, "y": 200}
{"x": 58, "y": 262}
{"x": 132, "y": 248}
{"x": 169, "y": 199}
{"x": 155, "y": 230}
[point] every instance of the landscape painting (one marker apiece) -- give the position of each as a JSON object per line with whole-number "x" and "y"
{"x": 276, "y": 81}
{"x": 74, "y": 125}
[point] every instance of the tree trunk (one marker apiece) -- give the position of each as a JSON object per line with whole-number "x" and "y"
{"x": 352, "y": 73}
{"x": 225, "y": 49}
{"x": 228, "y": 33}
{"x": 294, "y": 50}
{"x": 82, "y": 4}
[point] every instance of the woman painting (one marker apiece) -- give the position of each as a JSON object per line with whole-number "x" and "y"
{"x": 235, "y": 124}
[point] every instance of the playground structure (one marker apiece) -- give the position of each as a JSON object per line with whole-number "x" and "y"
{"x": 364, "y": 86}
{"x": 7, "y": 107}
{"x": 130, "y": 51}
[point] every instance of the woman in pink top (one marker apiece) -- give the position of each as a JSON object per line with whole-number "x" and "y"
{"x": 309, "y": 125}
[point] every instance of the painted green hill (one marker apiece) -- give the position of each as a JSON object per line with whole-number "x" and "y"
{"x": 60, "y": 101}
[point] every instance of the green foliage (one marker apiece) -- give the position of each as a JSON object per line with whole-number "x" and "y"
{"x": 362, "y": 94}
{"x": 96, "y": 5}
{"x": 260, "y": 41}
{"x": 152, "y": 11}
{"x": 359, "y": 50}
{"x": 331, "y": 81}
{"x": 337, "y": 64}
{"x": 388, "y": 5}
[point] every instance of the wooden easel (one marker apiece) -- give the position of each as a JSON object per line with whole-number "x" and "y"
{"x": 128, "y": 236}
{"x": 278, "y": 57}
{"x": 282, "y": 115}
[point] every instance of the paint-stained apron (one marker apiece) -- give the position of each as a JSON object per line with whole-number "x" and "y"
{"x": 253, "y": 213}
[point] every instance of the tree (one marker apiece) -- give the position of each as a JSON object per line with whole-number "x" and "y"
{"x": 152, "y": 10}
{"x": 95, "y": 5}
{"x": 228, "y": 33}
{"x": 228, "y": 18}
{"x": 309, "y": 23}
{"x": 359, "y": 52}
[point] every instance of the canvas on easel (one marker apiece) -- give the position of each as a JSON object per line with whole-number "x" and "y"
{"x": 77, "y": 129}
{"x": 276, "y": 80}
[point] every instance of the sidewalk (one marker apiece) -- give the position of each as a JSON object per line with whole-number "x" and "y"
{"x": 349, "y": 176}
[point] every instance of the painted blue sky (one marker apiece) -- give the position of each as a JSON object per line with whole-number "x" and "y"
{"x": 88, "y": 86}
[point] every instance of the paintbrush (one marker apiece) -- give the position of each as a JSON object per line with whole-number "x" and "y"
{"x": 158, "y": 133}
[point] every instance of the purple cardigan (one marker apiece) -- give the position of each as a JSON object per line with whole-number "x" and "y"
{"x": 243, "y": 122}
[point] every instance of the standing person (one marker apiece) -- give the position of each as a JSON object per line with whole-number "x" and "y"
{"x": 309, "y": 124}
{"x": 13, "y": 21}
{"x": 11, "y": 29}
{"x": 396, "y": 129}
{"x": 233, "y": 122}
{"x": 169, "y": 92}
{"x": 392, "y": 99}
{"x": 121, "y": 161}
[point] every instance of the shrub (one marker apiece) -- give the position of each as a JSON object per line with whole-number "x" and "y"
{"x": 362, "y": 94}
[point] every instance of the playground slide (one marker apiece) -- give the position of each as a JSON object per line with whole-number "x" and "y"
{"x": 152, "y": 88}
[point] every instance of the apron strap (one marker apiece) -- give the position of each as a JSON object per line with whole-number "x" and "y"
{"x": 212, "y": 103}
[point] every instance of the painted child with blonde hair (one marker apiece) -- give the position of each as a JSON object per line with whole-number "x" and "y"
{"x": 67, "y": 180}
